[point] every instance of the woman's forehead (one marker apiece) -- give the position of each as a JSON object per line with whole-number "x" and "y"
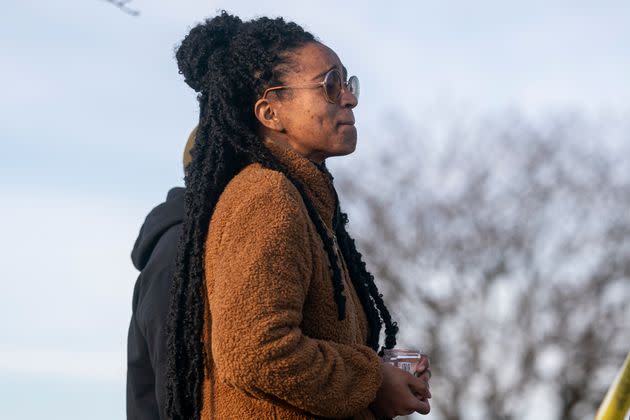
{"x": 314, "y": 60}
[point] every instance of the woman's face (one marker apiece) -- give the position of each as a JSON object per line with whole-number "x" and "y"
{"x": 311, "y": 125}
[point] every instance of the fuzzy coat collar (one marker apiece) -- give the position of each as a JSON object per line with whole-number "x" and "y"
{"x": 317, "y": 181}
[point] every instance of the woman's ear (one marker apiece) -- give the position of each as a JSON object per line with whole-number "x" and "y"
{"x": 267, "y": 115}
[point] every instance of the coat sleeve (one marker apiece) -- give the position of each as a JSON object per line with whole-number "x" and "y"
{"x": 257, "y": 287}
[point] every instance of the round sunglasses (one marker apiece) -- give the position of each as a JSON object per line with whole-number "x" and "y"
{"x": 333, "y": 84}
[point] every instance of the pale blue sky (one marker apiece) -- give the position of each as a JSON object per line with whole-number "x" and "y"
{"x": 93, "y": 117}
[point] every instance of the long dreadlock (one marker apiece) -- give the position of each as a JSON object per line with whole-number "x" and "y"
{"x": 230, "y": 63}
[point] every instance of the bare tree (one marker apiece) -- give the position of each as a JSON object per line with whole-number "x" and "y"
{"x": 506, "y": 250}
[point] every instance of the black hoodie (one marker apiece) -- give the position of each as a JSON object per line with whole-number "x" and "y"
{"x": 154, "y": 255}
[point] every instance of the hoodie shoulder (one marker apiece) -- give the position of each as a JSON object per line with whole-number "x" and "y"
{"x": 164, "y": 216}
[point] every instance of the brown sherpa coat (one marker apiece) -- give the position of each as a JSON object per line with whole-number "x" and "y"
{"x": 276, "y": 349}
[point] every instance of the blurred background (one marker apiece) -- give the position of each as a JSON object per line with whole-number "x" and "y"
{"x": 490, "y": 190}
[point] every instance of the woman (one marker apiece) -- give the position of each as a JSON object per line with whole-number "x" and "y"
{"x": 274, "y": 315}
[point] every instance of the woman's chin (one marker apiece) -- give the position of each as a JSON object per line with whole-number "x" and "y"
{"x": 349, "y": 138}
{"x": 343, "y": 145}
{"x": 352, "y": 140}
{"x": 348, "y": 146}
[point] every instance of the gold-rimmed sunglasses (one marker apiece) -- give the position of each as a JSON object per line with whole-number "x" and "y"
{"x": 333, "y": 84}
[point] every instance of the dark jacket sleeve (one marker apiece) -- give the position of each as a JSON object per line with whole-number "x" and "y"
{"x": 147, "y": 348}
{"x": 141, "y": 401}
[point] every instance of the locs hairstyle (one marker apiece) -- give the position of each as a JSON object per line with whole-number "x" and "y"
{"x": 230, "y": 63}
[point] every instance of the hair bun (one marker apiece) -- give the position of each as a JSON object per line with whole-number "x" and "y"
{"x": 206, "y": 46}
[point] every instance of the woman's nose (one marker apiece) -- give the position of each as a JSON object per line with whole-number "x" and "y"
{"x": 347, "y": 98}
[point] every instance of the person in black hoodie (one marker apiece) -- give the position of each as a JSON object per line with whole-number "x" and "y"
{"x": 154, "y": 254}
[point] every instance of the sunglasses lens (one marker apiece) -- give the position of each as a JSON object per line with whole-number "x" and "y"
{"x": 332, "y": 85}
{"x": 353, "y": 86}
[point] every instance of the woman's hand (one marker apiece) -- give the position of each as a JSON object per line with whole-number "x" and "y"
{"x": 423, "y": 372}
{"x": 401, "y": 393}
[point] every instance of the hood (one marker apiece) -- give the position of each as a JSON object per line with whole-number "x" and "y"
{"x": 159, "y": 220}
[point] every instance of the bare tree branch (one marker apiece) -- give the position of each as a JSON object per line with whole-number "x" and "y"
{"x": 122, "y": 5}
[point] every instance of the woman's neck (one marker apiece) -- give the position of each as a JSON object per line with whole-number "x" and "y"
{"x": 286, "y": 143}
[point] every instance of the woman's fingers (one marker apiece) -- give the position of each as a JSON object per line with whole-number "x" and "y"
{"x": 420, "y": 387}
{"x": 423, "y": 366}
{"x": 425, "y": 375}
{"x": 423, "y": 406}
{"x": 425, "y": 357}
